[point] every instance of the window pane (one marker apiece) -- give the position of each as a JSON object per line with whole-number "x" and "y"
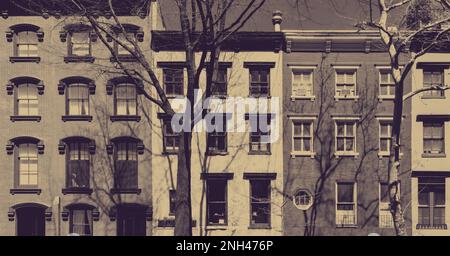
{"x": 217, "y": 190}
{"x": 345, "y": 192}
{"x": 260, "y": 190}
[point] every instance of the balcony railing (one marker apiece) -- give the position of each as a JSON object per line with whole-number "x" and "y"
{"x": 345, "y": 218}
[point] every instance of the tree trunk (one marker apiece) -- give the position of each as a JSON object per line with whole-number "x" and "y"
{"x": 183, "y": 212}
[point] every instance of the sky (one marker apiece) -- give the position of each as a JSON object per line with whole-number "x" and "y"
{"x": 297, "y": 14}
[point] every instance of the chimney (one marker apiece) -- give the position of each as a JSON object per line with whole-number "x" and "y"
{"x": 277, "y": 19}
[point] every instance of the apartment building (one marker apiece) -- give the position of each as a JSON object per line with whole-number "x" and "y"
{"x": 430, "y": 186}
{"x": 237, "y": 175}
{"x": 337, "y": 118}
{"x": 75, "y": 138}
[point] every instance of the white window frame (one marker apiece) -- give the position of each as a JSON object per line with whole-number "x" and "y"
{"x": 337, "y": 69}
{"x": 355, "y": 206}
{"x": 384, "y": 209}
{"x": 355, "y": 129}
{"x": 386, "y": 120}
{"x": 302, "y": 119}
{"x": 382, "y": 97}
{"x": 301, "y": 68}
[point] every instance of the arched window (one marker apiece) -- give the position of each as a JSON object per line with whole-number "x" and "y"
{"x": 30, "y": 218}
{"x": 77, "y": 90}
{"x": 26, "y": 91}
{"x": 125, "y": 98}
{"x": 131, "y": 33}
{"x": 78, "y": 152}
{"x": 26, "y": 168}
{"x": 79, "y": 39}
{"x": 25, "y": 38}
{"x": 126, "y": 150}
{"x": 81, "y": 217}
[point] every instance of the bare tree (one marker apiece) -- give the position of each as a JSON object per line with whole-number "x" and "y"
{"x": 205, "y": 26}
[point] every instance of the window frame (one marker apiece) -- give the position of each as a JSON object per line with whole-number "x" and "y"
{"x": 260, "y": 85}
{"x": 302, "y": 120}
{"x": 389, "y": 84}
{"x": 218, "y": 135}
{"x": 346, "y": 69}
{"x": 431, "y": 204}
{"x": 86, "y": 87}
{"x": 78, "y": 141}
{"x": 119, "y": 185}
{"x": 384, "y": 207}
{"x": 259, "y": 134}
{"x": 433, "y": 94}
{"x": 431, "y": 123}
{"x": 346, "y": 120}
{"x": 173, "y": 136}
{"x": 225, "y": 203}
{"x": 174, "y": 69}
{"x": 268, "y": 202}
{"x": 354, "y": 204}
{"x": 303, "y": 69}
{"x": 17, "y": 98}
{"x": 17, "y": 43}
{"x": 70, "y": 44}
{"x": 224, "y": 92}
{"x": 127, "y": 100}
{"x": 87, "y": 210}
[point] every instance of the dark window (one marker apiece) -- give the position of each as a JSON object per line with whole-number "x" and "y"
{"x": 345, "y": 204}
{"x": 216, "y": 200}
{"x": 433, "y": 137}
{"x": 126, "y": 165}
{"x": 260, "y": 211}
{"x": 219, "y": 88}
{"x": 259, "y": 81}
{"x": 125, "y": 99}
{"x": 78, "y": 165}
{"x": 217, "y": 139}
{"x": 30, "y": 221}
{"x": 131, "y": 221}
{"x": 78, "y": 99}
{"x": 26, "y": 44}
{"x": 171, "y": 139}
{"x": 80, "y": 44}
{"x": 174, "y": 81}
{"x": 433, "y": 78}
{"x": 81, "y": 221}
{"x": 432, "y": 202}
{"x": 27, "y": 100}
{"x": 260, "y": 133}
{"x": 27, "y": 165}
{"x": 172, "y": 201}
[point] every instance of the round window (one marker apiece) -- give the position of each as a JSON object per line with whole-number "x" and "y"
{"x": 303, "y": 199}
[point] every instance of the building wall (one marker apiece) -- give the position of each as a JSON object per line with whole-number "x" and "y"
{"x": 237, "y": 160}
{"x": 51, "y": 129}
{"x": 319, "y": 173}
{"x": 419, "y": 162}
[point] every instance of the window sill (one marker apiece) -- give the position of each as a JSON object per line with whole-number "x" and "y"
{"x": 136, "y": 191}
{"x": 216, "y": 227}
{"x": 217, "y": 153}
{"x": 169, "y": 153}
{"x": 338, "y": 98}
{"x": 346, "y": 154}
{"x": 133, "y": 118}
{"x": 303, "y": 154}
{"x": 66, "y": 118}
{"x": 347, "y": 226}
{"x": 25, "y": 118}
{"x": 170, "y": 223}
{"x": 123, "y": 58}
{"x": 385, "y": 97}
{"x": 84, "y": 191}
{"x": 260, "y": 226}
{"x": 77, "y": 59}
{"x": 175, "y": 96}
{"x": 311, "y": 98}
{"x": 386, "y": 154}
{"x": 438, "y": 227}
{"x": 260, "y": 96}
{"x": 16, "y": 191}
{"x": 432, "y": 97}
{"x": 255, "y": 153}
{"x": 431, "y": 155}
{"x": 24, "y": 59}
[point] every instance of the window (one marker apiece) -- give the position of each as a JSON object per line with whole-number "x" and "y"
{"x": 172, "y": 201}
{"x": 217, "y": 139}
{"x": 125, "y": 99}
{"x": 78, "y": 164}
{"x": 26, "y": 44}
{"x": 174, "y": 81}
{"x": 345, "y": 137}
{"x": 345, "y": 83}
{"x": 126, "y": 165}
{"x": 345, "y": 204}
{"x": 433, "y": 78}
{"x": 260, "y": 133}
{"x": 27, "y": 99}
{"x": 81, "y": 221}
{"x": 219, "y": 88}
{"x": 302, "y": 83}
{"x": 433, "y": 137}
{"x": 80, "y": 44}
{"x": 121, "y": 51}
{"x": 385, "y": 137}
{"x": 78, "y": 99}
{"x": 171, "y": 139}
{"x": 260, "y": 211}
{"x": 385, "y": 217}
{"x": 303, "y": 199}
{"x": 216, "y": 200}
{"x": 27, "y": 165}
{"x": 387, "y": 84}
{"x": 302, "y": 136}
{"x": 431, "y": 202}
{"x": 259, "y": 81}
